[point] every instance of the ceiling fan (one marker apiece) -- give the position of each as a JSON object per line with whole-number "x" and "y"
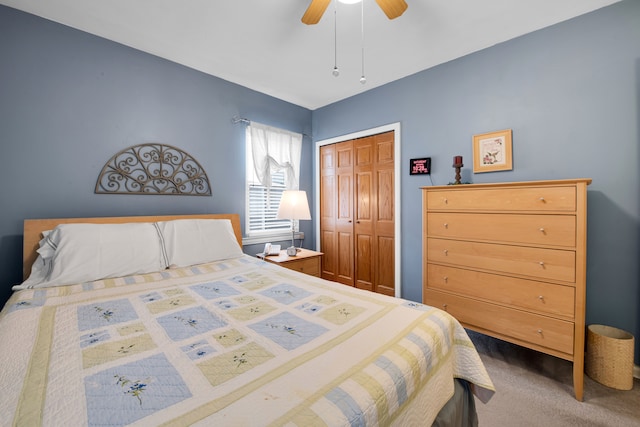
{"x": 391, "y": 8}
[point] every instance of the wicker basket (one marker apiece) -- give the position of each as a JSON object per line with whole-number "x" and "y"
{"x": 610, "y": 356}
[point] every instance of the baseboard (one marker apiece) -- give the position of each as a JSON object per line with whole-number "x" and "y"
{"x": 636, "y": 371}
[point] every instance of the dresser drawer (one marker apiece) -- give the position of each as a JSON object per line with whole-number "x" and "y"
{"x": 541, "y": 297}
{"x": 310, "y": 266}
{"x": 555, "y": 264}
{"x": 552, "y": 230}
{"x": 505, "y": 199}
{"x": 528, "y": 327}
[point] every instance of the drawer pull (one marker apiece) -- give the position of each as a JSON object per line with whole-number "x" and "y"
{"x": 542, "y": 200}
{"x": 542, "y": 230}
{"x": 446, "y": 252}
{"x": 444, "y": 307}
{"x": 446, "y": 279}
{"x": 542, "y": 264}
{"x": 539, "y": 331}
{"x": 446, "y": 225}
{"x": 446, "y": 201}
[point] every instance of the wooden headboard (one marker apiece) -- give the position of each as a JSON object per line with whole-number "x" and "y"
{"x": 33, "y": 229}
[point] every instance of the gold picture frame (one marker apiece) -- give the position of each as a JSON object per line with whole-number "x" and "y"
{"x": 492, "y": 151}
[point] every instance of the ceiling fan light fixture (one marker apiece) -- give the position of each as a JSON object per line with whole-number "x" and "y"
{"x": 391, "y": 8}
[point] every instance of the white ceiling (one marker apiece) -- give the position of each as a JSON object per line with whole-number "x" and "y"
{"x": 261, "y": 44}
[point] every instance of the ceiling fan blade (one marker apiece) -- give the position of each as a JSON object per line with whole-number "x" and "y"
{"x": 314, "y": 11}
{"x": 392, "y": 8}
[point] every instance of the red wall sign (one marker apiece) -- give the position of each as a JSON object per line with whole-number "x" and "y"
{"x": 420, "y": 166}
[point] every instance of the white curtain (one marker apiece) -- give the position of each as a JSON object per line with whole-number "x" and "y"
{"x": 274, "y": 150}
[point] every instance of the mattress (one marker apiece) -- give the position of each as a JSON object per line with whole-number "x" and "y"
{"x": 234, "y": 342}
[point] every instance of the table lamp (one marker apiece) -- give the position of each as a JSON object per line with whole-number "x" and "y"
{"x": 293, "y": 205}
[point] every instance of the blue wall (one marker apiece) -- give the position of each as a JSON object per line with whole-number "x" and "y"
{"x": 69, "y": 101}
{"x": 571, "y": 94}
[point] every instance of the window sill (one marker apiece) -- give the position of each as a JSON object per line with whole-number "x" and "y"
{"x": 271, "y": 238}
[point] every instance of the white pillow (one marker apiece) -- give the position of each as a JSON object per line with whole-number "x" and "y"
{"x": 197, "y": 241}
{"x": 88, "y": 252}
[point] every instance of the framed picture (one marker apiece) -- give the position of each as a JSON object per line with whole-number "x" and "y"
{"x": 492, "y": 152}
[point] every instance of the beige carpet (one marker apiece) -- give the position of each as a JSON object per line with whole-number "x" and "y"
{"x": 534, "y": 389}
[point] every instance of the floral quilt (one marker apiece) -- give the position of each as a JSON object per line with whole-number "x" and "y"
{"x": 235, "y": 342}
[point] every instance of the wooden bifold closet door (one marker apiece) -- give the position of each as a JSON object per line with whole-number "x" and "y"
{"x": 357, "y": 212}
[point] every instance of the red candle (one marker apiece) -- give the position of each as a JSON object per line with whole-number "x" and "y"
{"x": 457, "y": 160}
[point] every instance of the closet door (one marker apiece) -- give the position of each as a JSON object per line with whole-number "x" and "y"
{"x": 383, "y": 214}
{"x": 357, "y": 224}
{"x": 364, "y": 200}
{"x": 344, "y": 213}
{"x": 328, "y": 203}
{"x": 336, "y": 212}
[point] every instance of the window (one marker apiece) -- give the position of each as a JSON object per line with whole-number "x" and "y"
{"x": 263, "y": 205}
{"x": 272, "y": 166}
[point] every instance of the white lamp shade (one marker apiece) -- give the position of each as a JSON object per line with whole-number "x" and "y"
{"x": 293, "y": 205}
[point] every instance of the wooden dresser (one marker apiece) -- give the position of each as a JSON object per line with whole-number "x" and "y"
{"x": 509, "y": 260}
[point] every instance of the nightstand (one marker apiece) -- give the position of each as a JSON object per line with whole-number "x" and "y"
{"x": 306, "y": 261}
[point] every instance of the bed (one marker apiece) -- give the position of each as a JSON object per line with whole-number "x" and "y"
{"x": 182, "y": 328}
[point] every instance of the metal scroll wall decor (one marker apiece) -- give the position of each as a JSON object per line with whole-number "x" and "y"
{"x": 153, "y": 169}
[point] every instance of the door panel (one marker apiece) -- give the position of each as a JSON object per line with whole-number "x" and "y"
{"x": 364, "y": 262}
{"x": 385, "y": 266}
{"x": 364, "y": 190}
{"x": 385, "y": 149}
{"x": 329, "y": 260}
{"x": 385, "y": 208}
{"x": 345, "y": 258}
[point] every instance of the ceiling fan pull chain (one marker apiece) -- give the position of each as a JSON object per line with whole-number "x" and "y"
{"x": 363, "y": 79}
{"x": 336, "y": 71}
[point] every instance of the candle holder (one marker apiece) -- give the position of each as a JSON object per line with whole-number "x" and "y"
{"x": 457, "y": 167}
